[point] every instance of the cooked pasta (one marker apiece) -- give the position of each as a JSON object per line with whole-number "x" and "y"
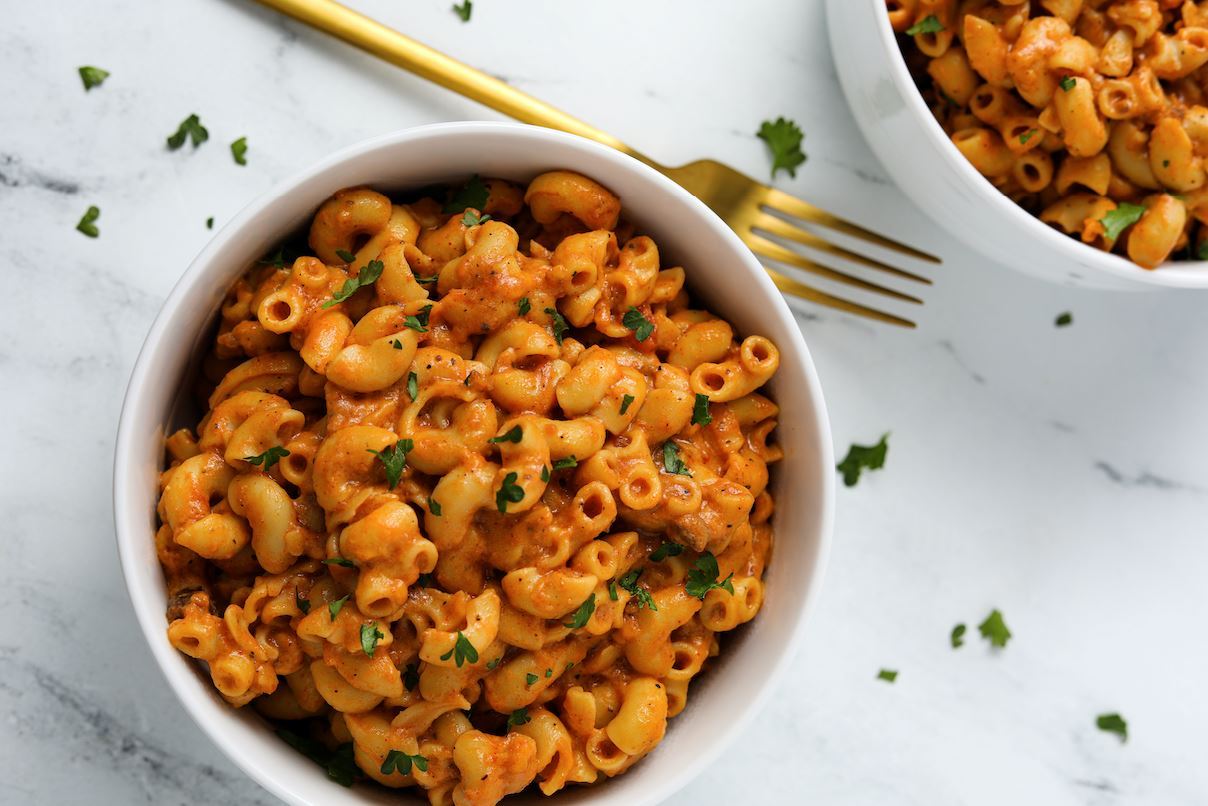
{"x": 1091, "y": 114}
{"x": 475, "y": 492}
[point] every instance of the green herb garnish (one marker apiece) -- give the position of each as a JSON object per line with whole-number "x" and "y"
{"x": 1113, "y": 723}
{"x": 958, "y": 636}
{"x": 87, "y": 223}
{"x": 509, "y": 492}
{"x": 462, "y": 651}
{"x": 519, "y": 717}
{"x": 995, "y": 629}
{"x": 672, "y": 462}
{"x": 368, "y": 275}
{"x": 642, "y": 327}
{"x": 642, "y": 596}
{"x": 513, "y": 434}
{"x": 559, "y": 324}
{"x": 370, "y": 635}
{"x": 473, "y": 219}
{"x": 340, "y": 561}
{"x": 784, "y": 141}
{"x": 700, "y": 411}
{"x": 582, "y": 615}
{"x": 473, "y": 194}
{"x": 1064, "y": 320}
{"x": 928, "y": 25}
{"x": 418, "y": 322}
{"x": 1068, "y": 83}
{"x": 239, "y": 151}
{"x": 464, "y": 9}
{"x": 863, "y": 457}
{"x": 434, "y": 506}
{"x": 524, "y": 305}
{"x": 666, "y": 550}
{"x": 626, "y": 402}
{"x": 412, "y": 385}
{"x": 400, "y": 762}
{"x": 190, "y": 129}
{"x": 1124, "y": 216}
{"x": 268, "y": 458}
{"x": 394, "y": 459}
{"x": 703, "y": 577}
{"x": 566, "y": 463}
{"x": 346, "y": 256}
{"x": 93, "y": 77}
{"x": 888, "y": 675}
{"x": 335, "y": 607}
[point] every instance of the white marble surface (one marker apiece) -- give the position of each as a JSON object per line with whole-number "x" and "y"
{"x": 1056, "y": 474}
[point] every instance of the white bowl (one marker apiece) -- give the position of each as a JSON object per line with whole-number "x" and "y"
{"x": 921, "y": 159}
{"x": 721, "y": 271}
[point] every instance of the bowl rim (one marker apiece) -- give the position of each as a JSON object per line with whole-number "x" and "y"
{"x": 129, "y": 524}
{"x": 1171, "y": 274}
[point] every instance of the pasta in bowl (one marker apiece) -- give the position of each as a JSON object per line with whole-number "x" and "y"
{"x": 1034, "y": 130}
{"x": 475, "y": 492}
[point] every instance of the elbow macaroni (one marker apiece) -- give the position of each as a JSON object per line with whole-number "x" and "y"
{"x": 448, "y": 513}
{"x": 1075, "y": 108}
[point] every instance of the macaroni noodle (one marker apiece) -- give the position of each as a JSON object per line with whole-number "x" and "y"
{"x": 475, "y": 494}
{"x": 1091, "y": 114}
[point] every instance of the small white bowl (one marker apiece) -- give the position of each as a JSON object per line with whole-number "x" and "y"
{"x": 922, "y": 161}
{"x": 721, "y": 272}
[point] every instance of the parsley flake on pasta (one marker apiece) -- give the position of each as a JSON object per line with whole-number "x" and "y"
{"x": 565, "y": 463}
{"x": 462, "y": 652}
{"x": 640, "y": 595}
{"x": 626, "y": 402}
{"x": 334, "y": 608}
{"x": 700, "y": 410}
{"x": 583, "y": 614}
{"x": 513, "y": 434}
{"x": 519, "y": 717}
{"x": 1064, "y": 319}
{"x": 303, "y": 604}
{"x": 530, "y": 678}
{"x": 1068, "y": 83}
{"x": 401, "y": 762}
{"x": 370, "y": 635}
{"x": 346, "y": 256}
{"x": 473, "y": 219}
{"x": 343, "y": 562}
{"x": 473, "y": 194}
{"x": 93, "y": 77}
{"x": 190, "y": 129}
{"x": 559, "y": 324}
{"x": 703, "y": 577}
{"x": 1117, "y": 220}
{"x": 524, "y": 306}
{"x": 928, "y": 25}
{"x": 418, "y": 322}
{"x": 671, "y": 460}
{"x": 434, "y": 506}
{"x": 509, "y": 492}
{"x": 642, "y": 327}
{"x": 394, "y": 460}
{"x": 464, "y": 9}
{"x": 367, "y": 276}
{"x": 267, "y": 459}
{"x": 783, "y": 138}
{"x": 666, "y": 550}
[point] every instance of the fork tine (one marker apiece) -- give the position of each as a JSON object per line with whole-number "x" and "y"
{"x": 784, "y": 229}
{"x": 793, "y": 288}
{"x": 791, "y": 205}
{"x": 773, "y": 251}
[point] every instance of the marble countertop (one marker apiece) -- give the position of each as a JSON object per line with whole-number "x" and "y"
{"x": 1056, "y": 474}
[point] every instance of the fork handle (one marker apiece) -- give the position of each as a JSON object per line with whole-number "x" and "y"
{"x": 401, "y": 50}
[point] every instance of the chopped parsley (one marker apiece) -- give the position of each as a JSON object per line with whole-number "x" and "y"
{"x": 642, "y": 596}
{"x": 434, "y": 506}
{"x": 268, "y": 458}
{"x": 491, "y": 664}
{"x": 303, "y": 604}
{"x": 626, "y": 402}
{"x": 513, "y": 434}
{"x": 464, "y": 9}
{"x": 412, "y": 385}
{"x": 87, "y": 223}
{"x": 473, "y": 194}
{"x": 394, "y": 459}
{"x": 582, "y": 615}
{"x": 888, "y": 675}
{"x": 473, "y": 219}
{"x": 666, "y": 550}
{"x": 93, "y": 77}
{"x": 400, "y": 762}
{"x": 462, "y": 651}
{"x": 370, "y": 635}
{"x": 1113, "y": 723}
{"x": 210, "y": 222}
{"x": 520, "y": 716}
{"x": 783, "y": 137}
{"x": 190, "y": 129}
{"x": 672, "y": 462}
{"x": 368, "y": 275}
{"x": 530, "y": 678}
{"x": 700, "y": 411}
{"x": 1064, "y": 320}
{"x": 1028, "y": 135}
{"x": 863, "y": 457}
{"x": 566, "y": 463}
{"x": 559, "y": 324}
{"x": 346, "y": 256}
{"x": 340, "y": 561}
{"x": 1124, "y": 216}
{"x": 418, "y": 322}
{"x": 703, "y": 577}
{"x": 995, "y": 629}
{"x": 928, "y": 25}
{"x": 509, "y": 492}
{"x": 612, "y": 590}
{"x": 642, "y": 327}
{"x": 958, "y": 636}
{"x": 1068, "y": 83}
{"x": 545, "y": 474}
{"x": 335, "y": 607}
{"x": 239, "y": 151}
{"x": 340, "y": 764}
{"x": 524, "y": 305}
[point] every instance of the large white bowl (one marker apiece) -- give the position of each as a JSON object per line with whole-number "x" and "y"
{"x": 921, "y": 159}
{"x": 720, "y": 271}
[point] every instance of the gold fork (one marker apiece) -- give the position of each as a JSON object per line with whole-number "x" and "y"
{"x": 763, "y": 216}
